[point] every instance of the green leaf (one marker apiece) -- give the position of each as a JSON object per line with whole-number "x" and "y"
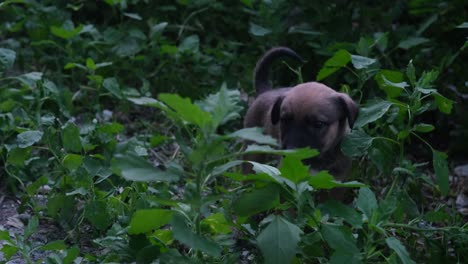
{"x": 143, "y": 221}
{"x": 411, "y": 73}
{"x": 423, "y": 128}
{"x": 412, "y": 42}
{"x": 65, "y": 33}
{"x": 187, "y": 111}
{"x": 366, "y": 202}
{"x": 90, "y": 64}
{"x": 8, "y": 250}
{"x": 97, "y": 214}
{"x": 190, "y": 43}
{"x": 258, "y": 30}
{"x": 135, "y": 168}
{"x": 337, "y": 209}
{"x": 294, "y": 170}
{"x": 132, "y": 15}
{"x": 360, "y": 62}
{"x": 356, "y": 143}
{"x": 339, "y": 238}
{"x": 113, "y": 87}
{"x": 28, "y": 138}
{"x": 303, "y": 153}
{"x": 257, "y": 201}
{"x": 72, "y": 161}
{"x": 185, "y": 235}
{"x": 7, "y": 58}
{"x": 463, "y": 25}
{"x": 224, "y": 106}
{"x": 17, "y": 156}
{"x": 253, "y": 134}
{"x": 217, "y": 223}
{"x": 399, "y": 249}
{"x": 371, "y": 112}
{"x": 32, "y": 226}
{"x": 439, "y": 162}
{"x": 71, "y": 138}
{"x": 389, "y": 82}
{"x": 339, "y": 257}
{"x": 279, "y": 241}
{"x": 54, "y": 245}
{"x": 336, "y": 62}
{"x": 29, "y": 79}
{"x": 444, "y": 104}
{"x": 146, "y": 101}
{"x": 323, "y": 180}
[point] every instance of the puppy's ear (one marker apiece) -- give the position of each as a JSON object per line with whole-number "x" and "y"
{"x": 276, "y": 111}
{"x": 350, "y": 108}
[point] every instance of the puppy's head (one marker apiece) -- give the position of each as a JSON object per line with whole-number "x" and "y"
{"x": 313, "y": 115}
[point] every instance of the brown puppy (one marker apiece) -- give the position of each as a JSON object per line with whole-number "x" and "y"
{"x": 307, "y": 115}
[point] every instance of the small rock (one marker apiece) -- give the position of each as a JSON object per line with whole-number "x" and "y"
{"x": 461, "y": 170}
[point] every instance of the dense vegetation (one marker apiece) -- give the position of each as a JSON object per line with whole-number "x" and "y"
{"x": 95, "y": 115}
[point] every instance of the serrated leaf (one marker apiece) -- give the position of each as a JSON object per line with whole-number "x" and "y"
{"x": 135, "y": 168}
{"x": 339, "y": 238}
{"x": 257, "y": 201}
{"x": 412, "y": 42}
{"x": 71, "y": 138}
{"x": 7, "y": 58}
{"x": 356, "y": 143}
{"x": 258, "y": 30}
{"x": 360, "y": 62}
{"x": 28, "y": 138}
{"x": 254, "y": 134}
{"x": 399, "y": 249}
{"x": 186, "y": 236}
{"x": 279, "y": 241}
{"x": 423, "y": 128}
{"x": 444, "y": 104}
{"x": 112, "y": 86}
{"x": 366, "y": 202}
{"x": 143, "y": 221}
{"x": 294, "y": 170}
{"x": 187, "y": 111}
{"x": 223, "y": 106}
{"x": 439, "y": 162}
{"x": 336, "y": 62}
{"x": 385, "y": 80}
{"x": 372, "y": 112}
{"x": 72, "y": 161}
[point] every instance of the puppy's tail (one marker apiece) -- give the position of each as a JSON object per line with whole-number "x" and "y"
{"x": 261, "y": 81}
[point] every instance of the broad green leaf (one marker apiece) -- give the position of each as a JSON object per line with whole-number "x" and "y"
{"x": 257, "y": 201}
{"x": 366, "y": 202}
{"x": 427, "y": 79}
{"x": 135, "y": 168}
{"x": 7, "y": 58}
{"x": 81, "y": 191}
{"x": 294, "y": 170}
{"x": 190, "y": 43}
{"x": 143, "y": 221}
{"x": 217, "y": 223}
{"x": 412, "y": 42}
{"x": 400, "y": 250}
{"x": 90, "y": 64}
{"x": 71, "y": 138}
{"x": 189, "y": 238}
{"x": 444, "y": 104}
{"x": 356, "y": 143}
{"x": 339, "y": 238}
{"x": 54, "y": 245}
{"x": 72, "y": 161}
{"x": 258, "y": 30}
{"x": 336, "y": 62}
{"x": 65, "y": 33}
{"x": 337, "y": 209}
{"x": 97, "y": 214}
{"x": 28, "y": 138}
{"x": 391, "y": 77}
{"x": 372, "y": 112}
{"x": 112, "y": 86}
{"x": 323, "y": 180}
{"x": 254, "y": 134}
{"x": 279, "y": 241}
{"x": 439, "y": 162}
{"x": 360, "y": 62}
{"x": 223, "y": 168}
{"x": 187, "y": 111}
{"x": 169, "y": 49}
{"x": 223, "y": 106}
{"x": 339, "y": 257}
{"x": 146, "y": 101}
{"x": 423, "y": 128}
{"x": 29, "y": 79}
{"x": 158, "y": 28}
{"x": 303, "y": 153}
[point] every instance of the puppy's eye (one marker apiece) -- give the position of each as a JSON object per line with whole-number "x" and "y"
{"x": 319, "y": 124}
